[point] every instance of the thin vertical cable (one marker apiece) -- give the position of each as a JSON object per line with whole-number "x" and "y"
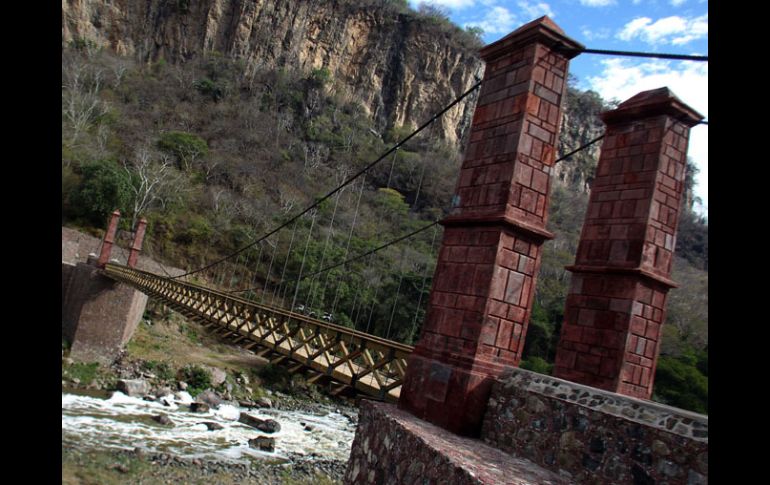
{"x": 347, "y": 246}
{"x": 269, "y": 270}
{"x": 398, "y": 291}
{"x": 285, "y": 263}
{"x": 302, "y": 264}
{"x": 422, "y": 288}
{"x": 323, "y": 254}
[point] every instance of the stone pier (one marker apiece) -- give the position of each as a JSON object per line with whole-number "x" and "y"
{"x": 616, "y": 305}
{"x": 481, "y": 298}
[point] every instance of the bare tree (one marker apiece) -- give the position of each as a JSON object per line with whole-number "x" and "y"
{"x": 81, "y": 105}
{"x": 150, "y": 178}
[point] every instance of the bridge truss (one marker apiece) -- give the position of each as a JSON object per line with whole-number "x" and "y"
{"x": 356, "y": 360}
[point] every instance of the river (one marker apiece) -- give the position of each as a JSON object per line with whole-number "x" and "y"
{"x": 124, "y": 422}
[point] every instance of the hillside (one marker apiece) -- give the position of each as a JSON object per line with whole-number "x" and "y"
{"x": 217, "y": 123}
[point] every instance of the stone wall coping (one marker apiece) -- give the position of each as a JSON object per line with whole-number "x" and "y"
{"x": 651, "y": 103}
{"x": 636, "y": 271}
{"x": 519, "y": 226}
{"x": 542, "y": 30}
{"x": 667, "y": 418}
{"x": 461, "y": 460}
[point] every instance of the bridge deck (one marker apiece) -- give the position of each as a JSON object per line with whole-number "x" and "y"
{"x": 369, "y": 364}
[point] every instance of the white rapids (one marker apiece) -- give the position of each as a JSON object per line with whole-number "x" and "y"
{"x": 126, "y": 422}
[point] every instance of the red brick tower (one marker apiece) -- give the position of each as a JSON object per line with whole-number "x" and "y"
{"x": 616, "y": 305}
{"x": 481, "y": 298}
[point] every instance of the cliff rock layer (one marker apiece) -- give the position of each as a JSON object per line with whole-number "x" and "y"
{"x": 401, "y": 68}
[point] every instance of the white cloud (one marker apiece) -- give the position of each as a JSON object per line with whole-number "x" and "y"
{"x": 450, "y": 4}
{"x": 669, "y": 30}
{"x": 636, "y": 2}
{"x": 597, "y": 3}
{"x": 498, "y": 20}
{"x": 622, "y": 78}
{"x": 537, "y": 10}
{"x": 677, "y": 3}
{"x": 602, "y": 33}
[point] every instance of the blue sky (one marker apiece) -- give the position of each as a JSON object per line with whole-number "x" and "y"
{"x": 665, "y": 26}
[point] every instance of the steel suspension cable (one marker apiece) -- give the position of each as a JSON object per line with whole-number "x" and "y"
{"x": 413, "y": 233}
{"x": 345, "y": 183}
{"x": 678, "y": 57}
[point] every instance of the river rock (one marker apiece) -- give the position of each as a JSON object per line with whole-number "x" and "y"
{"x": 182, "y": 385}
{"x": 218, "y": 376}
{"x": 162, "y": 390}
{"x": 266, "y": 425}
{"x": 163, "y": 419}
{"x": 264, "y": 402}
{"x": 209, "y": 397}
{"x": 213, "y": 426}
{"x": 133, "y": 387}
{"x": 199, "y": 407}
{"x": 264, "y": 443}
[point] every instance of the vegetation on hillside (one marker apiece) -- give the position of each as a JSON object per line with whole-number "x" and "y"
{"x": 214, "y": 159}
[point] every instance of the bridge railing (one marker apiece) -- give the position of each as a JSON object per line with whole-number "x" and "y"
{"x": 370, "y": 364}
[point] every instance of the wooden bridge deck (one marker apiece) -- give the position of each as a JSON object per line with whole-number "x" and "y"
{"x": 357, "y": 360}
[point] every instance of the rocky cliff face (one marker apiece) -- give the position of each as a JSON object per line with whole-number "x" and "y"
{"x": 400, "y": 68}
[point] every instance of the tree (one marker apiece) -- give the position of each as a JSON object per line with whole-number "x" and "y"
{"x": 434, "y": 12}
{"x": 186, "y": 147}
{"x": 81, "y": 104}
{"x": 149, "y": 178}
{"x": 104, "y": 188}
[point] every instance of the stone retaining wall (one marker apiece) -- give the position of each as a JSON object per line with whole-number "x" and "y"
{"x": 595, "y": 436}
{"x": 394, "y": 447}
{"x": 99, "y": 315}
{"x": 66, "y": 273}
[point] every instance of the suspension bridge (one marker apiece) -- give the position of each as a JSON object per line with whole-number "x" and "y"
{"x": 462, "y": 374}
{"x": 282, "y": 318}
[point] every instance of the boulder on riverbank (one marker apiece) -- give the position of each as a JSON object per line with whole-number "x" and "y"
{"x": 266, "y": 425}
{"x": 264, "y": 443}
{"x": 133, "y": 387}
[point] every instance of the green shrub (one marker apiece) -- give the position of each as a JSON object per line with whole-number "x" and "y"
{"x": 160, "y": 368}
{"x": 198, "y": 379}
{"x": 103, "y": 188}
{"x": 320, "y": 77}
{"x": 678, "y": 382}
{"x": 194, "y": 228}
{"x": 212, "y": 89}
{"x": 186, "y": 147}
{"x": 398, "y": 133}
{"x": 85, "y": 373}
{"x": 274, "y": 375}
{"x": 537, "y": 364}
